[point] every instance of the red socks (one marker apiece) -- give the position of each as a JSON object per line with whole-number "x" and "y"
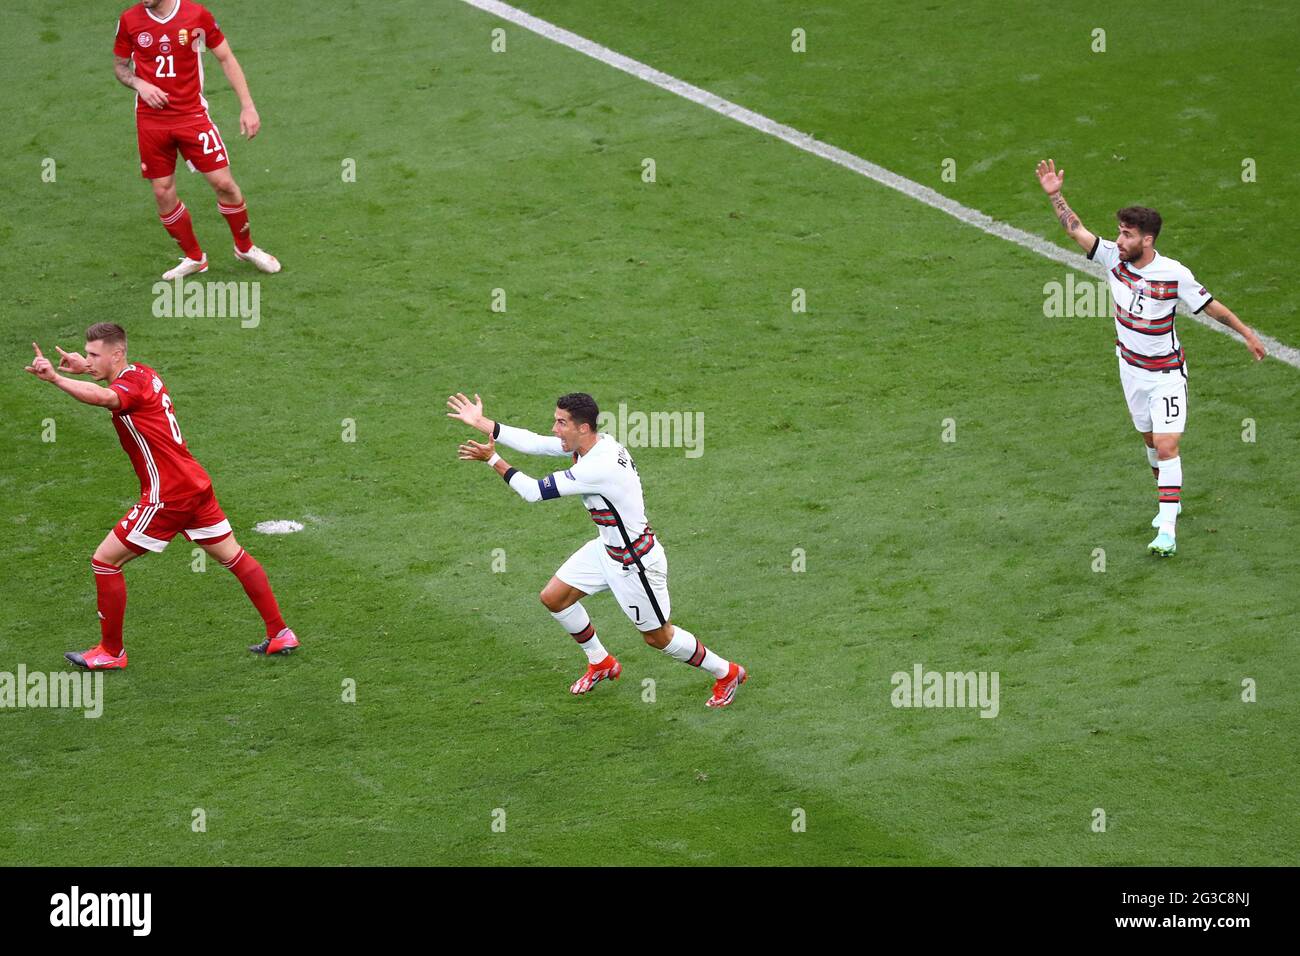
{"x": 237, "y": 219}
{"x": 110, "y": 588}
{"x": 245, "y": 567}
{"x": 181, "y": 228}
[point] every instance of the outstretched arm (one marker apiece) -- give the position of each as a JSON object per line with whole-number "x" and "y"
{"x": 1051, "y": 180}
{"x": 249, "y": 121}
{"x": 520, "y": 483}
{"x": 531, "y": 489}
{"x": 86, "y": 392}
{"x": 1222, "y": 313}
{"x": 520, "y": 439}
{"x": 530, "y": 443}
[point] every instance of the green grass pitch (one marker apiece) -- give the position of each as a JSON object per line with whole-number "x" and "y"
{"x": 522, "y": 171}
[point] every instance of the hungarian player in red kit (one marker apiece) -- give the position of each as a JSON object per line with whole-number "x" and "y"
{"x": 175, "y": 492}
{"x": 164, "y": 40}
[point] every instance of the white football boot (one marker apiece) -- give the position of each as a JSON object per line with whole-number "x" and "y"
{"x": 187, "y": 267}
{"x": 263, "y": 260}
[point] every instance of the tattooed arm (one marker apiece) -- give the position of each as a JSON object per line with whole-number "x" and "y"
{"x": 122, "y": 70}
{"x": 1051, "y": 179}
{"x": 151, "y": 95}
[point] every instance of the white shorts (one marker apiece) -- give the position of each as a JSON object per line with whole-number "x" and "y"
{"x": 643, "y": 598}
{"x": 1157, "y": 401}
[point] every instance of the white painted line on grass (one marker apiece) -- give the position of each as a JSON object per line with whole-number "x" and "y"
{"x": 278, "y": 526}
{"x": 809, "y": 144}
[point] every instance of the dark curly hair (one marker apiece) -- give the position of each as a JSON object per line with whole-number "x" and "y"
{"x": 1144, "y": 220}
{"x": 581, "y": 408}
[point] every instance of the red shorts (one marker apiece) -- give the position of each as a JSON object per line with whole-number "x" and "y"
{"x": 199, "y": 142}
{"x": 149, "y": 527}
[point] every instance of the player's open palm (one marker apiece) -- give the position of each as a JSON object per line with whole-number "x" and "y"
{"x": 462, "y": 409}
{"x": 1049, "y": 177}
{"x": 477, "y": 451}
{"x": 72, "y": 362}
{"x": 41, "y": 367}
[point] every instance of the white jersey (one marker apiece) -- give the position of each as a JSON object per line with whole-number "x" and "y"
{"x": 1146, "y": 300}
{"x": 605, "y": 477}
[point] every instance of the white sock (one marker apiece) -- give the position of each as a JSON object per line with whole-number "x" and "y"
{"x": 688, "y": 649}
{"x": 1171, "y": 489}
{"x": 1153, "y": 457}
{"x": 574, "y": 619}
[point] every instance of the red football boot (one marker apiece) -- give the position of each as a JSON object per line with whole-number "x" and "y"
{"x": 724, "y": 689}
{"x": 609, "y": 669}
{"x": 282, "y": 643}
{"x": 98, "y": 659}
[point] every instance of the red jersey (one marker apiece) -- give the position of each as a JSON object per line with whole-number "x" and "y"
{"x": 167, "y": 53}
{"x": 147, "y": 427}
